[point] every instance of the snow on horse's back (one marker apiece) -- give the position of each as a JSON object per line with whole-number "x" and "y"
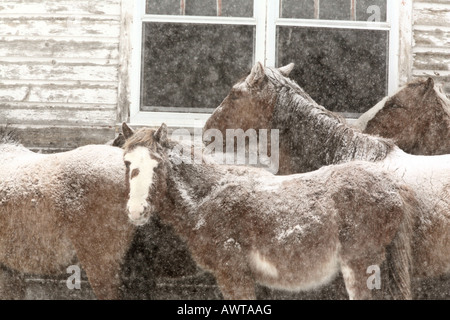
{"x": 57, "y": 208}
{"x": 312, "y": 137}
{"x": 294, "y": 232}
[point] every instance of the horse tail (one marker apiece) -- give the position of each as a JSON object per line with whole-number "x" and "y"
{"x": 399, "y": 252}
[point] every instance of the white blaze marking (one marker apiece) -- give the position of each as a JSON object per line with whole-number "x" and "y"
{"x": 140, "y": 159}
{"x": 263, "y": 265}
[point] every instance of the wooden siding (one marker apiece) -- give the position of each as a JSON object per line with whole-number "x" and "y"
{"x": 431, "y": 49}
{"x": 59, "y": 71}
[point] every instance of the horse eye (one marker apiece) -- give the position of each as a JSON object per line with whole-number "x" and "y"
{"x": 134, "y": 173}
{"x": 395, "y": 106}
{"x": 127, "y": 164}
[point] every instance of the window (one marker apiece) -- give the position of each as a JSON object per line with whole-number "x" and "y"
{"x": 188, "y": 53}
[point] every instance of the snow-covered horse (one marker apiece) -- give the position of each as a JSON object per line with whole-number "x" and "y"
{"x": 312, "y": 137}
{"x": 60, "y": 209}
{"x": 416, "y": 118}
{"x": 247, "y": 226}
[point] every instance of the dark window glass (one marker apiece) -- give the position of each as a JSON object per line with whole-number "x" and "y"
{"x": 189, "y": 67}
{"x": 201, "y": 7}
{"x": 226, "y": 8}
{"x": 360, "y": 10}
{"x": 299, "y": 9}
{"x": 335, "y": 9}
{"x": 170, "y": 7}
{"x": 344, "y": 70}
{"x": 237, "y": 8}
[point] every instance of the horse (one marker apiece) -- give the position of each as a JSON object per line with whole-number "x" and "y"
{"x": 416, "y": 118}
{"x": 312, "y": 137}
{"x": 247, "y": 226}
{"x": 60, "y": 209}
{"x": 65, "y": 208}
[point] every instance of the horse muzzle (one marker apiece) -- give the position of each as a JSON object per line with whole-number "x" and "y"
{"x": 138, "y": 213}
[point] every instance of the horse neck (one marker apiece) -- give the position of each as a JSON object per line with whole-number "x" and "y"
{"x": 312, "y": 137}
{"x": 188, "y": 185}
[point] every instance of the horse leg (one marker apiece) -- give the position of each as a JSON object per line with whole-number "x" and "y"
{"x": 236, "y": 284}
{"x": 101, "y": 255}
{"x": 12, "y": 285}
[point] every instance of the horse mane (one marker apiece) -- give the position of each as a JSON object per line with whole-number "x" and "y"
{"x": 343, "y": 143}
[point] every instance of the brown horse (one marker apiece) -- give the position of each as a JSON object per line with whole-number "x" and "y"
{"x": 312, "y": 137}
{"x": 60, "y": 209}
{"x": 294, "y": 232}
{"x": 416, "y": 118}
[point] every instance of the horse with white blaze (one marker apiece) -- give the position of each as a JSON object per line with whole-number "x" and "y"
{"x": 248, "y": 226}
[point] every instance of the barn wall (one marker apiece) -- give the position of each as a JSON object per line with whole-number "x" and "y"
{"x": 431, "y": 49}
{"x": 59, "y": 65}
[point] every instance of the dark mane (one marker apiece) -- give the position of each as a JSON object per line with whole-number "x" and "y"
{"x": 317, "y": 135}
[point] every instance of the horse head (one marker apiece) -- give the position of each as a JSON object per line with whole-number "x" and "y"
{"x": 250, "y": 102}
{"x": 144, "y": 153}
{"x": 411, "y": 117}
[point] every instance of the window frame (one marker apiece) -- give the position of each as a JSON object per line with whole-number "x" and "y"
{"x": 266, "y": 20}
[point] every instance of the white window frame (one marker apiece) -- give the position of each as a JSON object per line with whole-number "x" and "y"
{"x": 265, "y": 19}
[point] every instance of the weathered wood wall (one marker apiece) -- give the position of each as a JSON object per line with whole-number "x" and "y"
{"x": 59, "y": 64}
{"x": 431, "y": 49}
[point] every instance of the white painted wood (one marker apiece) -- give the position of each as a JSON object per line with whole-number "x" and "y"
{"x": 59, "y": 93}
{"x": 260, "y": 14}
{"x": 333, "y": 24}
{"x": 431, "y": 30}
{"x": 198, "y": 19}
{"x": 393, "y": 17}
{"x": 69, "y": 7}
{"x": 68, "y": 116}
{"x": 60, "y": 48}
{"x": 405, "y": 31}
{"x": 38, "y": 70}
{"x": 271, "y": 32}
{"x": 59, "y": 26}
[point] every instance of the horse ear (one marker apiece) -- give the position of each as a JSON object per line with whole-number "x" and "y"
{"x": 119, "y": 141}
{"x": 256, "y": 76}
{"x": 430, "y": 83}
{"x": 161, "y": 134}
{"x": 127, "y": 131}
{"x": 286, "y": 70}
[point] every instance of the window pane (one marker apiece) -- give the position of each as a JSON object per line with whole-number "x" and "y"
{"x": 360, "y": 10}
{"x": 193, "y": 65}
{"x": 201, "y": 7}
{"x": 342, "y": 69}
{"x": 226, "y": 8}
{"x": 171, "y": 7}
{"x": 299, "y": 9}
{"x": 237, "y": 8}
{"x": 335, "y": 9}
